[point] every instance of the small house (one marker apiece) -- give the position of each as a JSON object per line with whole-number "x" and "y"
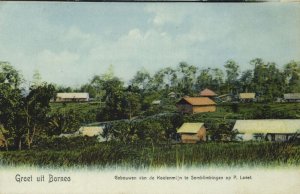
{"x": 292, "y": 97}
{"x": 247, "y": 97}
{"x": 156, "y": 102}
{"x": 208, "y": 93}
{"x": 72, "y": 97}
{"x": 90, "y": 131}
{"x": 267, "y": 129}
{"x": 192, "y": 132}
{"x": 196, "y": 105}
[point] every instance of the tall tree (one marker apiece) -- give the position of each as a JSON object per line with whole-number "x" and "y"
{"x": 36, "y": 78}
{"x": 259, "y": 76}
{"x": 22, "y": 115}
{"x": 142, "y": 80}
{"x": 131, "y": 104}
{"x": 187, "y": 78}
{"x": 218, "y": 80}
{"x": 292, "y": 76}
{"x": 268, "y": 80}
{"x": 114, "y": 99}
{"x": 204, "y": 80}
{"x": 171, "y": 78}
{"x": 246, "y": 81}
{"x": 232, "y": 72}
{"x": 11, "y": 100}
{"x": 158, "y": 82}
{"x": 36, "y": 107}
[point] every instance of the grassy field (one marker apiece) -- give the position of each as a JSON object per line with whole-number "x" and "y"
{"x": 169, "y": 155}
{"x": 83, "y": 107}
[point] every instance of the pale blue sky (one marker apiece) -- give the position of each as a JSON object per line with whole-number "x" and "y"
{"x": 68, "y": 43}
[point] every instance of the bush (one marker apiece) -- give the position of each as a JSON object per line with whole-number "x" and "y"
{"x": 63, "y": 143}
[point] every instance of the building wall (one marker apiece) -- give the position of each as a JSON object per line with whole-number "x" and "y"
{"x": 185, "y": 108}
{"x": 194, "y": 138}
{"x": 279, "y": 137}
{"x": 189, "y": 138}
{"x": 71, "y": 99}
{"x": 202, "y": 134}
{"x": 293, "y": 100}
{"x": 210, "y": 108}
{"x": 263, "y": 137}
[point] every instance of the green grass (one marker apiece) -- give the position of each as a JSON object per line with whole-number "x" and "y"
{"x": 168, "y": 155}
{"x": 82, "y": 107}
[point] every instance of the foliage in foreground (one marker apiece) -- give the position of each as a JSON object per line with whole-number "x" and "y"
{"x": 165, "y": 155}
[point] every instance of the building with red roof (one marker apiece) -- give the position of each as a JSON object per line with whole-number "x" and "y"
{"x": 207, "y": 93}
{"x": 196, "y": 105}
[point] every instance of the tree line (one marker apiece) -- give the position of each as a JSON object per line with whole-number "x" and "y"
{"x": 125, "y": 100}
{"x": 265, "y": 79}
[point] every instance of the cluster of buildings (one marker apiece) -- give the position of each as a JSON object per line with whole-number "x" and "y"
{"x": 203, "y": 98}
{"x": 275, "y": 130}
{"x": 247, "y": 130}
{"x": 267, "y": 129}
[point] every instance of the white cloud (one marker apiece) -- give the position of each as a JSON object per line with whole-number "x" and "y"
{"x": 166, "y": 14}
{"x": 151, "y": 49}
{"x": 69, "y": 52}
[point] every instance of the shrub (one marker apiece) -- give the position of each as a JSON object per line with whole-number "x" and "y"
{"x": 63, "y": 143}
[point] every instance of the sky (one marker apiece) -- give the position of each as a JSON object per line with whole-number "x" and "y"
{"x": 69, "y": 43}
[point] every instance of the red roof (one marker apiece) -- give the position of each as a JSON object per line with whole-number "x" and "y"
{"x": 207, "y": 92}
{"x": 197, "y": 101}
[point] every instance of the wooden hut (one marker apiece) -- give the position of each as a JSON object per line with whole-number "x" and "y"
{"x": 192, "y": 132}
{"x": 72, "y": 97}
{"x": 292, "y": 97}
{"x": 247, "y": 97}
{"x": 267, "y": 129}
{"x": 207, "y": 93}
{"x": 196, "y": 105}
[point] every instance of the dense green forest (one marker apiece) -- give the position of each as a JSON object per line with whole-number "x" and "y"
{"x": 27, "y": 116}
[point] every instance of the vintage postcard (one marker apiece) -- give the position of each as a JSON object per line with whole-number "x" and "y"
{"x": 151, "y": 98}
